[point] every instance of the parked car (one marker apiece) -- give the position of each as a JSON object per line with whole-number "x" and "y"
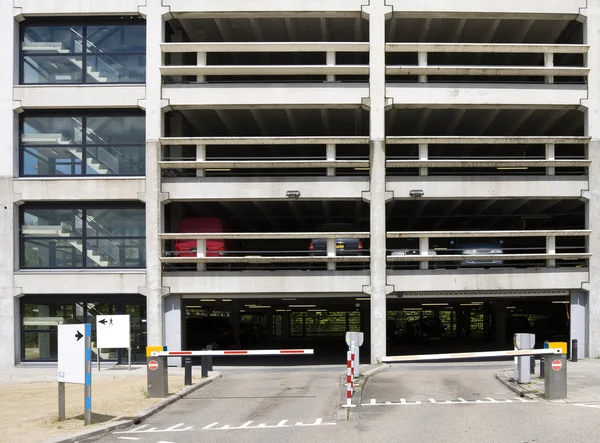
{"x": 214, "y": 247}
{"x": 343, "y": 246}
{"x": 405, "y": 252}
{"x": 479, "y": 248}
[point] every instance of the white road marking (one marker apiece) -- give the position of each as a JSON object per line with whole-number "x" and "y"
{"x": 587, "y": 406}
{"x": 129, "y": 438}
{"x": 458, "y": 401}
{"x": 225, "y": 427}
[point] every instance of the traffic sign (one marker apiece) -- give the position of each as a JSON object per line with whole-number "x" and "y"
{"x": 71, "y": 353}
{"x": 153, "y": 365}
{"x": 556, "y": 365}
{"x": 113, "y": 331}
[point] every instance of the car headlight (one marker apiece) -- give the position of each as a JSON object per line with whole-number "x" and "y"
{"x": 470, "y": 251}
{"x": 496, "y": 251}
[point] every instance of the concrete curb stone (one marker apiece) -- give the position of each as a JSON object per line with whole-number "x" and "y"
{"x": 145, "y": 414}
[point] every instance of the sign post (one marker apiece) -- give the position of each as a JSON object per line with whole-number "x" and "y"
{"x": 75, "y": 365}
{"x": 113, "y": 331}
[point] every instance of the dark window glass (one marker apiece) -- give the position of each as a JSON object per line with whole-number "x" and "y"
{"x": 62, "y": 145}
{"x": 64, "y": 53}
{"x": 83, "y": 238}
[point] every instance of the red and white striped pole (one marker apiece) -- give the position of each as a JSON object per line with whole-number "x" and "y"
{"x": 349, "y": 377}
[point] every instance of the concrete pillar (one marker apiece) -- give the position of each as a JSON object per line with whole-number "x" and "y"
{"x": 153, "y": 197}
{"x": 550, "y": 155}
{"x": 173, "y": 326}
{"x": 236, "y": 321}
{"x": 331, "y": 155}
{"x": 377, "y": 195}
{"x": 423, "y": 155}
{"x": 9, "y": 322}
{"x": 500, "y": 322}
{"x": 579, "y": 326}
{"x": 424, "y": 250}
{"x": 592, "y": 130}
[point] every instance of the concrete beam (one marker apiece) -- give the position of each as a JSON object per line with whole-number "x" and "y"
{"x": 78, "y": 96}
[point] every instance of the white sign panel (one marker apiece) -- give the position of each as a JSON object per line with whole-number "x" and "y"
{"x": 113, "y": 331}
{"x": 71, "y": 353}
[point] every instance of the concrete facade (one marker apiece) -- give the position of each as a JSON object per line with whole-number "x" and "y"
{"x": 165, "y": 292}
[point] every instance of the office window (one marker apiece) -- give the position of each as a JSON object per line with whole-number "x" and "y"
{"x": 81, "y": 52}
{"x": 94, "y": 236}
{"x": 82, "y": 144}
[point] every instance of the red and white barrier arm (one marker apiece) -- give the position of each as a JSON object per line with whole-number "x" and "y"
{"x": 461, "y": 355}
{"x": 233, "y": 352}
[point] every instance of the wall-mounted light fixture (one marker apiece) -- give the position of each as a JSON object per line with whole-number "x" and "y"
{"x": 293, "y": 194}
{"x": 416, "y": 193}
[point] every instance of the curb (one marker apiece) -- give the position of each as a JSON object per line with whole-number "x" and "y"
{"x": 515, "y": 387}
{"x": 345, "y": 413}
{"x": 145, "y": 414}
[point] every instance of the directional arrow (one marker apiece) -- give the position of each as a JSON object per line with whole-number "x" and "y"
{"x": 78, "y": 335}
{"x": 103, "y": 321}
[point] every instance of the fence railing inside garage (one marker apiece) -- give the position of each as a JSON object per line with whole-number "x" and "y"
{"x": 550, "y": 256}
{"x": 332, "y": 158}
{"x": 330, "y": 68}
{"x": 552, "y": 66}
{"x": 548, "y": 71}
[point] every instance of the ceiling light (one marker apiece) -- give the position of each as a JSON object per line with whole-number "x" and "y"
{"x": 207, "y": 299}
{"x": 363, "y": 299}
{"x": 412, "y": 309}
{"x": 434, "y": 304}
{"x": 303, "y": 306}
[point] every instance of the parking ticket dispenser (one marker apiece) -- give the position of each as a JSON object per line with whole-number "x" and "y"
{"x": 523, "y": 364}
{"x": 157, "y": 373}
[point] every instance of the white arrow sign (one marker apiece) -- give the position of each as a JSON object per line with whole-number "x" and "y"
{"x": 71, "y": 353}
{"x": 113, "y": 331}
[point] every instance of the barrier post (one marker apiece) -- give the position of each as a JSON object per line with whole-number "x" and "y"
{"x": 349, "y": 379}
{"x": 204, "y": 364}
{"x": 574, "y": 347}
{"x": 157, "y": 373}
{"x": 542, "y": 367}
{"x": 187, "y": 365}
{"x": 209, "y": 361}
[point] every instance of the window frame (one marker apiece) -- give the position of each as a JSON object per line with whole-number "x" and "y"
{"x": 84, "y": 23}
{"x": 84, "y": 114}
{"x": 83, "y": 206}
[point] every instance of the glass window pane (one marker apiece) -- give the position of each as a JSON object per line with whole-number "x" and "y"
{"x": 41, "y": 345}
{"x": 116, "y": 223}
{"x": 52, "y": 39}
{"x": 116, "y": 130}
{"x": 41, "y": 253}
{"x": 40, "y": 69}
{"x": 52, "y": 223}
{"x": 108, "y": 253}
{"x": 116, "y": 69}
{"x": 52, "y": 161}
{"x": 128, "y": 38}
{"x": 52, "y": 131}
{"x": 116, "y": 160}
{"x": 46, "y": 316}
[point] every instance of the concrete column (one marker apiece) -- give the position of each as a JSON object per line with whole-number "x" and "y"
{"x": 377, "y": 11}
{"x": 424, "y": 250}
{"x": 592, "y": 124}
{"x": 236, "y": 321}
{"x": 330, "y": 62}
{"x": 422, "y": 61}
{"x": 549, "y": 63}
{"x": 153, "y": 197}
{"x": 551, "y": 249}
{"x": 201, "y": 61}
{"x": 550, "y": 156}
{"x": 9, "y": 318}
{"x": 423, "y": 155}
{"x": 200, "y": 156}
{"x": 331, "y": 155}
{"x": 500, "y": 321}
{"x": 173, "y": 326}
{"x": 579, "y": 324}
